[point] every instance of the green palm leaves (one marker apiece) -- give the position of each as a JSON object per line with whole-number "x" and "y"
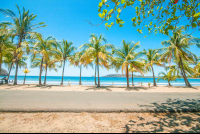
{"x": 43, "y": 52}
{"x": 22, "y": 28}
{"x": 152, "y": 56}
{"x": 127, "y": 56}
{"x": 66, "y": 52}
{"x": 177, "y": 49}
{"x": 96, "y": 52}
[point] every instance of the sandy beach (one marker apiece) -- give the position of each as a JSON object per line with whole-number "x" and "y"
{"x": 144, "y": 88}
{"x": 99, "y": 122}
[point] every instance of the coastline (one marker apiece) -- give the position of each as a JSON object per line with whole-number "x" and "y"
{"x": 84, "y": 88}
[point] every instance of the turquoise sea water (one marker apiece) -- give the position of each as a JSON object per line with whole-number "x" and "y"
{"x": 56, "y": 80}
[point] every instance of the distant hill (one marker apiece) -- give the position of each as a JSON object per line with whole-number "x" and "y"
{"x": 121, "y": 75}
{"x": 3, "y": 72}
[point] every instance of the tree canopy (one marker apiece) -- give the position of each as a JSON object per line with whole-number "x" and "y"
{"x": 154, "y": 15}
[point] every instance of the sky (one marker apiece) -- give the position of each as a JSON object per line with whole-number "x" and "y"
{"x": 66, "y": 20}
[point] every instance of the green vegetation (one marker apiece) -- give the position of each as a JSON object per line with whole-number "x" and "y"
{"x": 154, "y": 15}
{"x": 48, "y": 53}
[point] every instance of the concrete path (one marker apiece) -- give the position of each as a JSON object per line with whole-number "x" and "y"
{"x": 58, "y": 101}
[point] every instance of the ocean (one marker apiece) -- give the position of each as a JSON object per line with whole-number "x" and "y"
{"x": 104, "y": 81}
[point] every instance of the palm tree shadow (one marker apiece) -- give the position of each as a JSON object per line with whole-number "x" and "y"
{"x": 180, "y": 116}
{"x": 136, "y": 88}
{"x": 99, "y": 88}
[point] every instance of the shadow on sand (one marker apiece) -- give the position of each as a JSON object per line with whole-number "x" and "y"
{"x": 180, "y": 116}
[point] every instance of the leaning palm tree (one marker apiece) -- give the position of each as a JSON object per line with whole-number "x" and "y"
{"x": 97, "y": 52}
{"x": 22, "y": 28}
{"x": 176, "y": 49}
{"x": 25, "y": 72}
{"x": 44, "y": 49}
{"x": 126, "y": 56}
{"x": 66, "y": 51}
{"x": 152, "y": 56}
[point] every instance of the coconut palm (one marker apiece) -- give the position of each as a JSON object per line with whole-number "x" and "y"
{"x": 44, "y": 49}
{"x": 66, "y": 51}
{"x": 152, "y": 56}
{"x": 132, "y": 70}
{"x": 171, "y": 75}
{"x": 51, "y": 64}
{"x": 22, "y": 28}
{"x": 126, "y": 56}
{"x": 79, "y": 61}
{"x": 4, "y": 43}
{"x": 97, "y": 53}
{"x": 26, "y": 71}
{"x": 177, "y": 49}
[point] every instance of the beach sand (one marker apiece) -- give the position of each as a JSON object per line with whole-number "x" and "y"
{"x": 99, "y": 122}
{"x": 144, "y": 88}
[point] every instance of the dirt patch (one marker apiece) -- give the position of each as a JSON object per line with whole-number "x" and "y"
{"x": 99, "y": 122}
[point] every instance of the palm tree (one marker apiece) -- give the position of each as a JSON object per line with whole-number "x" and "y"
{"x": 25, "y": 72}
{"x": 22, "y": 28}
{"x": 126, "y": 56}
{"x": 51, "y": 64}
{"x": 177, "y": 49}
{"x": 78, "y": 61}
{"x": 4, "y": 43}
{"x": 97, "y": 52}
{"x": 171, "y": 75}
{"x": 66, "y": 51}
{"x": 152, "y": 56}
{"x": 44, "y": 49}
{"x": 132, "y": 70}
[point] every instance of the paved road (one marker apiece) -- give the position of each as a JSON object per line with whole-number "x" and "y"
{"x": 58, "y": 101}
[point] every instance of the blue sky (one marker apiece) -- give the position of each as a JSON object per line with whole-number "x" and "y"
{"x": 66, "y": 20}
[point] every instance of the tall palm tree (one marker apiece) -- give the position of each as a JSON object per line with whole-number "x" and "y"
{"x": 177, "y": 49}
{"x": 66, "y": 51}
{"x": 197, "y": 69}
{"x": 126, "y": 56}
{"x": 98, "y": 52}
{"x": 22, "y": 28}
{"x": 44, "y": 49}
{"x": 152, "y": 56}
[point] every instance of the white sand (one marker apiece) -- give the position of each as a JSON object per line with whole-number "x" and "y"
{"x": 101, "y": 89}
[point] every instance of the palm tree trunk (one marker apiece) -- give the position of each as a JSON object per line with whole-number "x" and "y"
{"x": 154, "y": 80}
{"x": 16, "y": 70}
{"x": 63, "y": 73}
{"x": 169, "y": 83}
{"x": 80, "y": 75}
{"x": 132, "y": 79}
{"x": 45, "y": 80}
{"x": 24, "y": 79}
{"x": 9, "y": 71}
{"x": 95, "y": 76}
{"x": 40, "y": 80}
{"x": 98, "y": 72}
{"x": 187, "y": 83}
{"x": 127, "y": 76}
{"x": 17, "y": 61}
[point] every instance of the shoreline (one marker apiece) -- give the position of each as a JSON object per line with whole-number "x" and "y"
{"x": 114, "y": 88}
